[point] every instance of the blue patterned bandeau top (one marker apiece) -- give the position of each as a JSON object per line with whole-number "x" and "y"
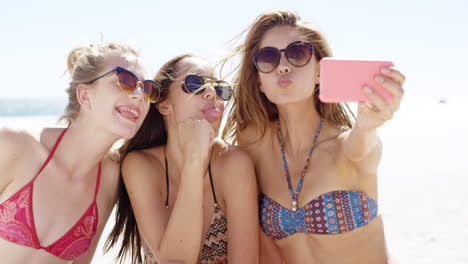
{"x": 330, "y": 213}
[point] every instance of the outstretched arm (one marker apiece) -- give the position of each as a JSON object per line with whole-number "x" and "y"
{"x": 361, "y": 144}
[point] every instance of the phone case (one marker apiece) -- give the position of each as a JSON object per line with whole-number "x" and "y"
{"x": 343, "y": 80}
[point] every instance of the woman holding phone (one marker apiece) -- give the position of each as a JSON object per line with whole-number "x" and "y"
{"x": 316, "y": 169}
{"x": 57, "y": 194}
{"x": 187, "y": 196}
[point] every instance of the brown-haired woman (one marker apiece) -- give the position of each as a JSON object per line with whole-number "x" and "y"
{"x": 57, "y": 194}
{"x": 187, "y": 196}
{"x": 329, "y": 214}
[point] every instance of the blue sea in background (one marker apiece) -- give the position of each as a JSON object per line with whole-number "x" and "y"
{"x": 31, "y": 107}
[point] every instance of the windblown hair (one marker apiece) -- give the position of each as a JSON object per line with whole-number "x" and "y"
{"x": 250, "y": 107}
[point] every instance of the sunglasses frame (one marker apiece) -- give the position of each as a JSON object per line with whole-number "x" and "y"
{"x": 216, "y": 87}
{"x": 119, "y": 70}
{"x": 279, "y": 51}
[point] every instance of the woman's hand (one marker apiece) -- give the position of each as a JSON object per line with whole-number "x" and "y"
{"x": 375, "y": 114}
{"x": 195, "y": 138}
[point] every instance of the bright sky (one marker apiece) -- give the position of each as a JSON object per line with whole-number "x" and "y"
{"x": 427, "y": 40}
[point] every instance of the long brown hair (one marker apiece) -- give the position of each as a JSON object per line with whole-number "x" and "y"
{"x": 250, "y": 107}
{"x": 152, "y": 133}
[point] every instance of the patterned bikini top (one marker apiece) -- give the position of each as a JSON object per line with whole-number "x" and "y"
{"x": 214, "y": 250}
{"x": 330, "y": 213}
{"x": 17, "y": 221}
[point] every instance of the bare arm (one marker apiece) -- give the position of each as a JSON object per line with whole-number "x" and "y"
{"x": 170, "y": 237}
{"x": 361, "y": 144}
{"x": 240, "y": 190}
{"x": 363, "y": 148}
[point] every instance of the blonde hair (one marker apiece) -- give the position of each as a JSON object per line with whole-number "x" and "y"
{"x": 84, "y": 63}
{"x": 250, "y": 107}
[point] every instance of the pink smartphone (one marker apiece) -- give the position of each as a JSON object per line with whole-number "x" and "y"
{"x": 343, "y": 80}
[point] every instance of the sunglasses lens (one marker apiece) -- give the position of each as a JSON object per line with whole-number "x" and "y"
{"x": 151, "y": 90}
{"x": 193, "y": 84}
{"x": 299, "y": 54}
{"x": 266, "y": 60}
{"x": 127, "y": 81}
{"x": 224, "y": 91}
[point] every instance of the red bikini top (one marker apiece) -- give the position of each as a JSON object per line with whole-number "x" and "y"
{"x": 17, "y": 221}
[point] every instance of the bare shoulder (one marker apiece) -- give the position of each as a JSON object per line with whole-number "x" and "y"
{"x": 18, "y": 138}
{"x": 143, "y": 173}
{"x": 14, "y": 143}
{"x": 142, "y": 163}
{"x": 49, "y": 135}
{"x": 16, "y": 149}
{"x": 254, "y": 141}
{"x": 228, "y": 155}
{"x": 234, "y": 162}
{"x": 234, "y": 176}
{"x": 250, "y": 135}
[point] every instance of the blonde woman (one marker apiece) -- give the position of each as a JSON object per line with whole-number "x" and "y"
{"x": 57, "y": 193}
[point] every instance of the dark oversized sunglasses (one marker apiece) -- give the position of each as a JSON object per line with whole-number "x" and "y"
{"x": 194, "y": 84}
{"x": 128, "y": 82}
{"x": 297, "y": 53}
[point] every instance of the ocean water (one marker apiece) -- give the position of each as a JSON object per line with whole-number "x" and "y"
{"x": 31, "y": 107}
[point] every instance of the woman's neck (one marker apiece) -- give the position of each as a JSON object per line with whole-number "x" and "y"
{"x": 83, "y": 147}
{"x": 298, "y": 122}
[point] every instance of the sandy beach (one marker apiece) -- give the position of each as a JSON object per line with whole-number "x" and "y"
{"x": 422, "y": 181}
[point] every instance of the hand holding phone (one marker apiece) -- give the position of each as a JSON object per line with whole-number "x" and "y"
{"x": 343, "y": 80}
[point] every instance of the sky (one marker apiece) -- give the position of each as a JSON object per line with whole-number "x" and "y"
{"x": 426, "y": 40}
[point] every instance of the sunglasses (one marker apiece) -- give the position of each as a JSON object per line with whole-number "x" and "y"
{"x": 297, "y": 53}
{"x": 128, "y": 82}
{"x": 194, "y": 84}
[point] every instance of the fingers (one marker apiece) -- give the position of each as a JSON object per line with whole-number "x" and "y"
{"x": 394, "y": 88}
{"x": 379, "y": 105}
{"x": 396, "y": 75}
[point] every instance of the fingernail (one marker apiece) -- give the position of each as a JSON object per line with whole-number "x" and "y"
{"x": 380, "y": 79}
{"x": 385, "y": 70}
{"x": 367, "y": 90}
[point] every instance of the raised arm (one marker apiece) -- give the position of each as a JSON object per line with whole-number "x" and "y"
{"x": 361, "y": 144}
{"x": 174, "y": 236}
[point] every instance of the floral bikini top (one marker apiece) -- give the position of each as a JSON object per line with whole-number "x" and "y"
{"x": 17, "y": 221}
{"x": 330, "y": 213}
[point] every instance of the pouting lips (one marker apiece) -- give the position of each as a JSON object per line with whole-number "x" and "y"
{"x": 284, "y": 82}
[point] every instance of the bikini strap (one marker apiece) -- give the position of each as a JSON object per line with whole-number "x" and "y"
{"x": 51, "y": 154}
{"x": 98, "y": 181}
{"x": 167, "y": 181}
{"x": 212, "y": 187}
